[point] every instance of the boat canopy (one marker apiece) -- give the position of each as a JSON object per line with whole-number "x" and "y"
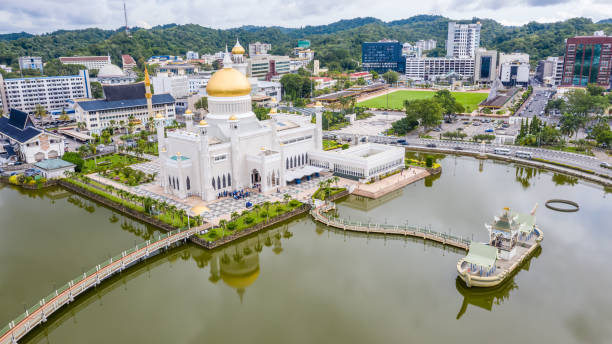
{"x": 482, "y": 255}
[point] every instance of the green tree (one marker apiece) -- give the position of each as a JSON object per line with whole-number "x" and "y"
{"x": 202, "y": 103}
{"x": 570, "y": 123}
{"x": 375, "y": 75}
{"x": 390, "y": 77}
{"x": 448, "y": 103}
{"x": 74, "y": 158}
{"x": 96, "y": 90}
{"x": 602, "y": 133}
{"x": 428, "y": 111}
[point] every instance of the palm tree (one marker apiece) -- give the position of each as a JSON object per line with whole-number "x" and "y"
{"x": 286, "y": 198}
{"x": 223, "y": 224}
{"x": 335, "y": 180}
{"x": 234, "y": 215}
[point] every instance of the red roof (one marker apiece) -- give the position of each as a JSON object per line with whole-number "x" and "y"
{"x": 84, "y": 58}
{"x": 358, "y": 74}
{"x": 320, "y": 78}
{"x": 127, "y": 60}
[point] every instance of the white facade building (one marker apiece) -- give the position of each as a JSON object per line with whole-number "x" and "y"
{"x": 463, "y": 39}
{"x": 177, "y": 86}
{"x": 113, "y": 75}
{"x": 425, "y": 45}
{"x": 264, "y": 67}
{"x": 429, "y": 68}
{"x": 51, "y": 92}
{"x": 514, "y": 69}
{"x": 91, "y": 62}
{"x": 197, "y": 83}
{"x": 31, "y": 62}
{"x": 192, "y": 55}
{"x": 259, "y": 48}
{"x": 322, "y": 82}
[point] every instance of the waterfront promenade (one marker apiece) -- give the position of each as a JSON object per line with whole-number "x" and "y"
{"x": 319, "y": 214}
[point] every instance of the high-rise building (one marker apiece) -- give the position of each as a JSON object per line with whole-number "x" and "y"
{"x": 51, "y": 92}
{"x": 264, "y": 67}
{"x": 426, "y": 45}
{"x": 259, "y": 48}
{"x": 90, "y": 62}
{"x": 463, "y": 39}
{"x": 514, "y": 69}
{"x": 177, "y": 86}
{"x": 588, "y": 60}
{"x": 383, "y": 56}
{"x": 431, "y": 68}
{"x": 31, "y": 62}
{"x": 550, "y": 71}
{"x": 485, "y": 66}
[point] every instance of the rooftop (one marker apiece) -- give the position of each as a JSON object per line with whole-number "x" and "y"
{"x": 84, "y": 58}
{"x": 53, "y": 164}
{"x": 97, "y": 105}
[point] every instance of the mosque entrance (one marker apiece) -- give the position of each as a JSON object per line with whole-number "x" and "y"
{"x": 255, "y": 177}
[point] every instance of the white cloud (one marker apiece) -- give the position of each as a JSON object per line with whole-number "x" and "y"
{"x": 38, "y": 16}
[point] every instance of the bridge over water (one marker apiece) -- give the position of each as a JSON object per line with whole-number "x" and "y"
{"x": 321, "y": 214}
{"x": 37, "y": 314}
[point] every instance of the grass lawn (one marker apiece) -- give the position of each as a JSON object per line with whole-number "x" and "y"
{"x": 332, "y": 191}
{"x": 469, "y": 100}
{"x": 250, "y": 218}
{"x": 331, "y": 144}
{"x": 109, "y": 162}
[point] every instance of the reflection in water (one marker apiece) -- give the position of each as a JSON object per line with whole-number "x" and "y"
{"x": 430, "y": 179}
{"x": 423, "y": 155}
{"x": 562, "y": 179}
{"x": 366, "y": 204}
{"x": 524, "y": 174}
{"x": 485, "y": 298}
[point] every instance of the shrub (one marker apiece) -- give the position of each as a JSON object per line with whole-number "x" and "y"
{"x": 14, "y": 179}
{"x": 429, "y": 161}
{"x": 74, "y": 158}
{"x": 294, "y": 203}
{"x": 345, "y": 146}
{"x": 249, "y": 219}
{"x": 263, "y": 214}
{"x": 231, "y": 226}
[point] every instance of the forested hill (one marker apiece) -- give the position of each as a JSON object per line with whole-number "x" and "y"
{"x": 338, "y": 45}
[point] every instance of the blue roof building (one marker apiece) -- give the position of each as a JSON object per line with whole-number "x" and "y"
{"x": 383, "y": 56}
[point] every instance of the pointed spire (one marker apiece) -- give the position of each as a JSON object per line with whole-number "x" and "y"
{"x": 227, "y": 61}
{"x": 147, "y": 81}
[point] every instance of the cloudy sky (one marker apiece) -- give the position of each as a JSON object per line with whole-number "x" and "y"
{"x": 39, "y": 16}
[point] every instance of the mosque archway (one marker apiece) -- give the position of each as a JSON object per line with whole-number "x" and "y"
{"x": 255, "y": 177}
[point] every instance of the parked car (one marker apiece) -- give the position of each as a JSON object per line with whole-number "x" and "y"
{"x": 490, "y": 130}
{"x": 431, "y": 145}
{"x": 605, "y": 165}
{"x": 458, "y": 148}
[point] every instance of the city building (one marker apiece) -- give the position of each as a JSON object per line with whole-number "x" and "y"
{"x": 6, "y": 68}
{"x": 463, "y": 39}
{"x": 29, "y": 143}
{"x": 197, "y": 83}
{"x": 322, "y": 82}
{"x": 265, "y": 67}
{"x": 90, "y": 62}
{"x": 514, "y": 69}
{"x": 259, "y": 48}
{"x": 550, "y": 71}
{"x": 296, "y": 63}
{"x": 51, "y": 92}
{"x": 306, "y": 54}
{"x": 231, "y": 149}
{"x": 177, "y": 68}
{"x": 356, "y": 76}
{"x": 432, "y": 68}
{"x": 411, "y": 51}
{"x": 54, "y": 168}
{"x": 163, "y": 59}
{"x": 269, "y": 89}
{"x": 113, "y": 75}
{"x": 31, "y": 62}
{"x": 425, "y": 45}
{"x": 128, "y": 63}
{"x": 177, "y": 86}
{"x": 124, "y": 104}
{"x": 485, "y": 66}
{"x": 192, "y": 55}
{"x": 588, "y": 60}
{"x": 383, "y": 56}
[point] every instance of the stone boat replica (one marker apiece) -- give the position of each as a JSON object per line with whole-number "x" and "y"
{"x": 513, "y": 237}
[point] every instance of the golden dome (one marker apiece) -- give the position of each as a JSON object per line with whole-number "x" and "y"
{"x": 240, "y": 281}
{"x": 233, "y": 118}
{"x": 203, "y": 122}
{"x": 159, "y": 115}
{"x": 228, "y": 82}
{"x": 178, "y": 153}
{"x": 318, "y": 104}
{"x": 273, "y": 110}
{"x": 188, "y": 112}
{"x": 273, "y": 100}
{"x": 237, "y": 49}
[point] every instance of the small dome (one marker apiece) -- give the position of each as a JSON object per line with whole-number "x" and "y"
{"x": 238, "y": 49}
{"x": 110, "y": 70}
{"x": 228, "y": 82}
{"x": 178, "y": 153}
{"x": 233, "y": 118}
{"x": 273, "y": 110}
{"x": 188, "y": 112}
{"x": 203, "y": 122}
{"x": 318, "y": 104}
{"x": 273, "y": 100}
{"x": 159, "y": 115}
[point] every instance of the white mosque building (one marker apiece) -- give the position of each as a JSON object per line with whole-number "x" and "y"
{"x": 232, "y": 150}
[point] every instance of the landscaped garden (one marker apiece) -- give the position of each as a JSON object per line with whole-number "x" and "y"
{"x": 128, "y": 176}
{"x": 249, "y": 218}
{"x": 111, "y": 161}
{"x": 469, "y": 100}
{"x": 331, "y": 144}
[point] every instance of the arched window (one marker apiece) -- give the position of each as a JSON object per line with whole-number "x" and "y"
{"x": 287, "y": 163}
{"x": 218, "y": 182}
{"x": 229, "y": 180}
{"x": 178, "y": 185}
{"x": 169, "y": 181}
{"x": 188, "y": 183}
{"x": 213, "y": 184}
{"x": 224, "y": 180}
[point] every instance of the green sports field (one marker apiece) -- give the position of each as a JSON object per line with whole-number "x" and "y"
{"x": 469, "y": 100}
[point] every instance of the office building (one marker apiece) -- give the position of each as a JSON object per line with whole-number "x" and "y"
{"x": 259, "y": 48}
{"x": 425, "y": 45}
{"x": 162, "y": 59}
{"x": 192, "y": 55}
{"x": 31, "y": 62}
{"x": 90, "y": 62}
{"x": 383, "y": 56}
{"x": 485, "y": 66}
{"x": 323, "y": 82}
{"x": 514, "y": 69}
{"x": 358, "y": 75}
{"x": 588, "y": 60}
{"x": 268, "y": 89}
{"x": 265, "y": 67}
{"x": 124, "y": 103}
{"x": 197, "y": 83}
{"x": 51, "y": 92}
{"x": 177, "y": 69}
{"x": 128, "y": 63}
{"x": 113, "y": 75}
{"x": 432, "y": 68}
{"x": 550, "y": 71}
{"x": 463, "y": 39}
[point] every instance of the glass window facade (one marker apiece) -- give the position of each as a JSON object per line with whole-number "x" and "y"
{"x": 383, "y": 56}
{"x": 485, "y": 67}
